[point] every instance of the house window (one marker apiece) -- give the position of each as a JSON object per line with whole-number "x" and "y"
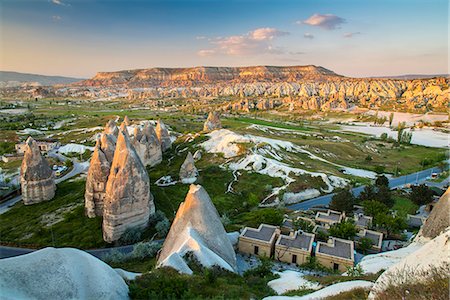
{"x": 256, "y": 250}
{"x": 335, "y": 266}
{"x": 294, "y": 259}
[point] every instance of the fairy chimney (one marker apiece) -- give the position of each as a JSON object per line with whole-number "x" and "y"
{"x": 36, "y": 177}
{"x": 128, "y": 202}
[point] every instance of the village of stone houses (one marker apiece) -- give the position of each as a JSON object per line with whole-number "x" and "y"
{"x": 114, "y": 200}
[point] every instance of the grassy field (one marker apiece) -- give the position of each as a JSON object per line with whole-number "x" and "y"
{"x": 404, "y": 205}
{"x": 30, "y": 225}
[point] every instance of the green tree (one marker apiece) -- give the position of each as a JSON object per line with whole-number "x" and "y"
{"x": 303, "y": 225}
{"x": 392, "y": 224}
{"x": 343, "y": 201}
{"x": 373, "y": 207}
{"x": 379, "y": 169}
{"x": 367, "y": 194}
{"x": 421, "y": 194}
{"x": 364, "y": 244}
{"x": 345, "y": 230}
{"x": 383, "y": 195}
{"x": 382, "y": 181}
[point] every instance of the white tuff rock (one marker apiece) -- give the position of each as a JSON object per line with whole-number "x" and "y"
{"x": 212, "y": 122}
{"x": 188, "y": 171}
{"x": 197, "y": 230}
{"x": 163, "y": 136}
{"x": 36, "y": 177}
{"x": 64, "y": 273}
{"x": 128, "y": 202}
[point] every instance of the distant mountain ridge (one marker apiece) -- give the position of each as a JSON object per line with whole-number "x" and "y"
{"x": 200, "y": 75}
{"x": 412, "y": 76}
{"x": 8, "y": 78}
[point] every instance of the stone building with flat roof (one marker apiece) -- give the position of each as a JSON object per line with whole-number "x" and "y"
{"x": 295, "y": 248}
{"x": 362, "y": 221}
{"x": 44, "y": 145}
{"x": 375, "y": 236}
{"x": 329, "y": 218}
{"x": 259, "y": 241}
{"x": 336, "y": 254}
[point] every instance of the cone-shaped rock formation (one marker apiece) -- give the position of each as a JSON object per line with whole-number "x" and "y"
{"x": 212, "y": 122}
{"x": 96, "y": 180}
{"x": 163, "y": 136}
{"x": 188, "y": 171}
{"x": 147, "y": 145}
{"x": 111, "y": 128}
{"x": 197, "y": 230}
{"x": 127, "y": 121}
{"x": 36, "y": 176}
{"x": 128, "y": 201}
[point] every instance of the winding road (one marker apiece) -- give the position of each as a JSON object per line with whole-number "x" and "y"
{"x": 418, "y": 177}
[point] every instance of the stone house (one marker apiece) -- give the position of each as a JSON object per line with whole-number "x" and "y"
{"x": 336, "y": 254}
{"x": 294, "y": 248}
{"x": 375, "y": 236}
{"x": 415, "y": 221}
{"x": 330, "y": 217}
{"x": 362, "y": 221}
{"x": 259, "y": 241}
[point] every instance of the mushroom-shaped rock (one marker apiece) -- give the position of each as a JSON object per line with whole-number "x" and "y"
{"x": 63, "y": 273}
{"x": 197, "y": 230}
{"x": 111, "y": 128}
{"x": 128, "y": 202}
{"x": 36, "y": 176}
{"x": 127, "y": 121}
{"x": 212, "y": 122}
{"x": 188, "y": 171}
{"x": 163, "y": 136}
{"x": 96, "y": 180}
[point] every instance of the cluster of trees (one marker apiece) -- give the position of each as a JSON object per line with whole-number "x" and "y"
{"x": 376, "y": 200}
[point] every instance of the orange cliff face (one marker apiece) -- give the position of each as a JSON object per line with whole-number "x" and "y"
{"x": 190, "y": 76}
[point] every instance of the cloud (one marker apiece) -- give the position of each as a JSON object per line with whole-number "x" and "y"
{"x": 349, "y": 35}
{"x": 308, "y": 35}
{"x": 258, "y": 41}
{"x": 327, "y": 21}
{"x": 56, "y": 18}
{"x": 59, "y": 2}
{"x": 200, "y": 37}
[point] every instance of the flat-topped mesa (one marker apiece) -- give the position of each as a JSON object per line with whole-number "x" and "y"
{"x": 96, "y": 180}
{"x": 111, "y": 128}
{"x": 36, "y": 177}
{"x": 212, "y": 122}
{"x": 188, "y": 171}
{"x": 163, "y": 136}
{"x": 197, "y": 230}
{"x": 128, "y": 202}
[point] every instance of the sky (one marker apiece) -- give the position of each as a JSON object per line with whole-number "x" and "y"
{"x": 356, "y": 38}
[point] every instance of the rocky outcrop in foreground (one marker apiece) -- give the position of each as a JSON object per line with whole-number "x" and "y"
{"x": 197, "y": 231}
{"x": 64, "y": 273}
{"x": 438, "y": 220}
{"x": 163, "y": 136}
{"x": 188, "y": 171}
{"x": 128, "y": 201}
{"x": 36, "y": 177}
{"x": 212, "y": 122}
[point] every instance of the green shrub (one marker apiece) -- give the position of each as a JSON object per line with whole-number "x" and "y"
{"x": 130, "y": 236}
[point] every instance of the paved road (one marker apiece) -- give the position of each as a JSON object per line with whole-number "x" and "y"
{"x": 418, "y": 177}
{"x": 6, "y": 251}
{"x": 77, "y": 169}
